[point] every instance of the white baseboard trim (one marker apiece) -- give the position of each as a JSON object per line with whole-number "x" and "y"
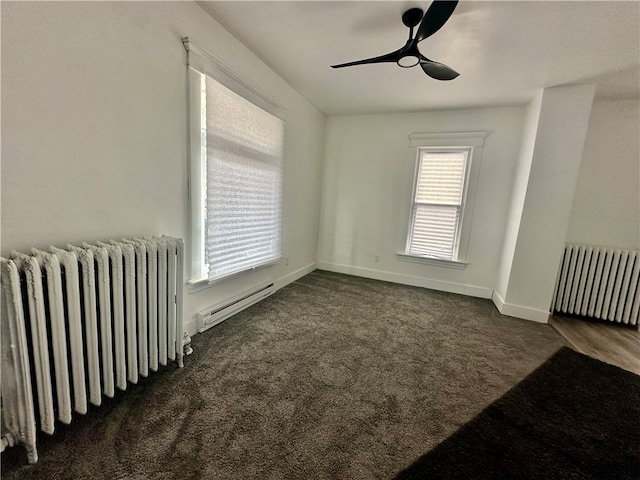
{"x": 518, "y": 311}
{"x": 293, "y": 276}
{"x": 191, "y": 325}
{"x": 463, "y": 289}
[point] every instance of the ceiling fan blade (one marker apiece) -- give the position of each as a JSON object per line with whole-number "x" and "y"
{"x": 436, "y": 16}
{"x": 389, "y": 57}
{"x": 439, "y": 71}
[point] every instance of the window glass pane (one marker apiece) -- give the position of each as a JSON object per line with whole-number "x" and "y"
{"x": 434, "y": 231}
{"x": 244, "y": 147}
{"x": 441, "y": 178}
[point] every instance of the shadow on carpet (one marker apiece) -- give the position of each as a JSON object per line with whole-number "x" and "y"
{"x": 573, "y": 417}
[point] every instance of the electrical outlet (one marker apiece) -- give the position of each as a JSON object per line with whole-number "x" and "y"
{"x": 286, "y": 260}
{"x": 376, "y": 259}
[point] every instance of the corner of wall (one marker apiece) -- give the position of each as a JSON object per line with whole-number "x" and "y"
{"x": 293, "y": 276}
{"x": 541, "y": 202}
{"x": 518, "y": 193}
{"x": 518, "y": 311}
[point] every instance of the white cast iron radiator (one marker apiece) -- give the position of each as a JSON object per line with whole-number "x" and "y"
{"x": 599, "y": 282}
{"x": 80, "y": 322}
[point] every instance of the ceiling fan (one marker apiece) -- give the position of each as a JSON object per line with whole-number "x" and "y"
{"x": 409, "y": 55}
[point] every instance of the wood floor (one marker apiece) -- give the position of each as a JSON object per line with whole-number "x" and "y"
{"x": 609, "y": 342}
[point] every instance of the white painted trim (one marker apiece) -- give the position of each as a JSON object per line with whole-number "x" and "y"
{"x": 518, "y": 311}
{"x": 198, "y": 285}
{"x": 293, "y": 276}
{"x": 191, "y": 326}
{"x": 451, "y": 287}
{"x": 439, "y": 262}
{"x": 205, "y": 62}
{"x": 452, "y": 139}
{"x": 197, "y": 175}
{"x": 497, "y": 299}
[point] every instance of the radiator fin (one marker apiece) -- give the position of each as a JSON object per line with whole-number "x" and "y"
{"x": 97, "y": 317}
{"x": 17, "y": 395}
{"x": 599, "y": 282}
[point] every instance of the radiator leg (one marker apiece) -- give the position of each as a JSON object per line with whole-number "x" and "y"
{"x": 186, "y": 345}
{"x": 8, "y": 440}
{"x": 32, "y": 453}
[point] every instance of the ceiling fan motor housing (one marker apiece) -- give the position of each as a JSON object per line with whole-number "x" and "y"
{"x": 412, "y": 17}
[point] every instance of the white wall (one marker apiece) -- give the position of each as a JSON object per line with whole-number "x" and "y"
{"x": 94, "y": 135}
{"x": 557, "y": 151}
{"x": 606, "y": 205}
{"x": 367, "y": 186}
{"x": 519, "y": 192}
{"x": 94, "y": 143}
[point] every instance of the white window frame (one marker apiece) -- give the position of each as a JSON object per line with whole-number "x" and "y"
{"x": 473, "y": 143}
{"x": 199, "y": 62}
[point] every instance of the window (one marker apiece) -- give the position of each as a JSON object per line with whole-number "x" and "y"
{"x": 438, "y": 202}
{"x": 237, "y": 142}
{"x": 444, "y": 186}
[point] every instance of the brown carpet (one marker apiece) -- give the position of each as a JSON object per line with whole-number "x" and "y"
{"x": 333, "y": 377}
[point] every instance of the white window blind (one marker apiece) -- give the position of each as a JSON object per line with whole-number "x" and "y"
{"x": 438, "y": 202}
{"x": 244, "y": 168}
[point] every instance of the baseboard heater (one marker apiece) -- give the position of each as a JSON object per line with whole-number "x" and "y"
{"x": 218, "y": 313}
{"x": 598, "y": 282}
{"x": 82, "y": 322}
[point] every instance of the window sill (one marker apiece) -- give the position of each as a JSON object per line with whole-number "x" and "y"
{"x": 198, "y": 285}
{"x": 204, "y": 283}
{"x": 406, "y": 257}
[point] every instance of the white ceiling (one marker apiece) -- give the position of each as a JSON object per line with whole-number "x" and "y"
{"x": 505, "y": 51}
